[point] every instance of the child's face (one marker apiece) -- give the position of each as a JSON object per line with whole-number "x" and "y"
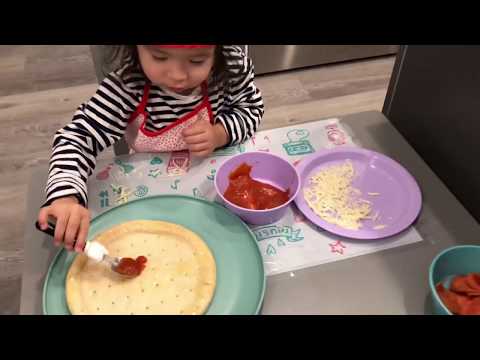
{"x": 178, "y": 70}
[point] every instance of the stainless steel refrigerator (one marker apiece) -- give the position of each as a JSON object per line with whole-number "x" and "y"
{"x": 274, "y": 58}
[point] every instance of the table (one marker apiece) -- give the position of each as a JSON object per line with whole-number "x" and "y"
{"x": 393, "y": 281}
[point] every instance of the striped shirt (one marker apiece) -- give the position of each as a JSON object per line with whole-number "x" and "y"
{"x": 102, "y": 120}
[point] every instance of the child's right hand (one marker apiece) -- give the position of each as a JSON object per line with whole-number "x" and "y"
{"x": 73, "y": 221}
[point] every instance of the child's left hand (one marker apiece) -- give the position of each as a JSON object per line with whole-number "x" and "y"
{"x": 203, "y": 138}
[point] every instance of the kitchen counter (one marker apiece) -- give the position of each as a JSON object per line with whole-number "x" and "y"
{"x": 393, "y": 281}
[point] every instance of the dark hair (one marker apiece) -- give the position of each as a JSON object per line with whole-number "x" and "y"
{"x": 121, "y": 55}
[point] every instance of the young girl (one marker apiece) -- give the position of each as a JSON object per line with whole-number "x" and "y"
{"x": 162, "y": 98}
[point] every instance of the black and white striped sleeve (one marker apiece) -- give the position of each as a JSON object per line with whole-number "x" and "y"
{"x": 243, "y": 108}
{"x": 96, "y": 125}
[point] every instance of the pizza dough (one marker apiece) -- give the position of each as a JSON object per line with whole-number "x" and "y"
{"x": 179, "y": 278}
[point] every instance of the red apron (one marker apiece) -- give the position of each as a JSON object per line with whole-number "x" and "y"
{"x": 169, "y": 138}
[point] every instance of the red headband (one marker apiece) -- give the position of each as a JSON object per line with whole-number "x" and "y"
{"x": 185, "y": 46}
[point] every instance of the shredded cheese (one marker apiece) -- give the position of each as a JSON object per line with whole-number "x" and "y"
{"x": 332, "y": 197}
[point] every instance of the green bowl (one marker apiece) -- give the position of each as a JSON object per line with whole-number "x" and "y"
{"x": 456, "y": 260}
{"x": 240, "y": 270}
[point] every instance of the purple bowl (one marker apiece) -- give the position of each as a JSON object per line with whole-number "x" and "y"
{"x": 267, "y": 168}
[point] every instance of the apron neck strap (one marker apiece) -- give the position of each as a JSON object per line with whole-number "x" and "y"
{"x": 143, "y": 104}
{"x": 204, "y": 89}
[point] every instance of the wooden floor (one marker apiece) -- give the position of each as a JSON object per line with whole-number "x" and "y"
{"x": 41, "y": 86}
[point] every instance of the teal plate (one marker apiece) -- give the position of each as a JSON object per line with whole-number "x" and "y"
{"x": 240, "y": 271}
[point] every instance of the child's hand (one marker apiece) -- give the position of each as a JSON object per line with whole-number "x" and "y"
{"x": 203, "y": 138}
{"x": 73, "y": 221}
